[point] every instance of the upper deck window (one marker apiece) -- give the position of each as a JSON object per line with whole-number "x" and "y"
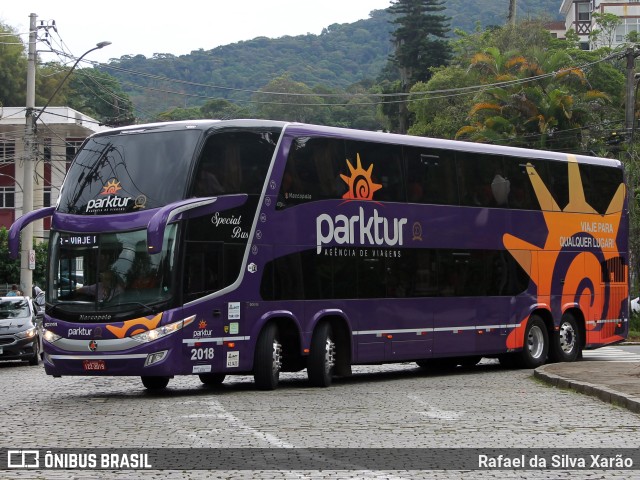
{"x": 122, "y": 173}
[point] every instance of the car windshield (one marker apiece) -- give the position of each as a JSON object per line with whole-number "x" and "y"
{"x": 10, "y": 308}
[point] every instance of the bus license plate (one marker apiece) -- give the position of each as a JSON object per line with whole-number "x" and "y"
{"x": 94, "y": 365}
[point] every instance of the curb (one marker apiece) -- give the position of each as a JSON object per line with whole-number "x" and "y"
{"x": 603, "y": 393}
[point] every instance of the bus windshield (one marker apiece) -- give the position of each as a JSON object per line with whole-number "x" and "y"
{"x": 110, "y": 271}
{"x": 111, "y": 173}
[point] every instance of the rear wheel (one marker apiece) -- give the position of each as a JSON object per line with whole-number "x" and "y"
{"x": 155, "y": 383}
{"x": 536, "y": 343}
{"x": 268, "y": 359}
{"x": 322, "y": 357}
{"x": 212, "y": 379}
{"x": 565, "y": 342}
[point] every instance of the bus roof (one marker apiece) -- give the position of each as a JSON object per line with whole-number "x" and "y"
{"x": 364, "y": 135}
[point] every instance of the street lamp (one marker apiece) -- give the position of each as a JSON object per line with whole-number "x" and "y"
{"x": 30, "y": 151}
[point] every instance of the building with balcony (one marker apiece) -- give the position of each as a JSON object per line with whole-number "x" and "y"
{"x": 60, "y": 132}
{"x": 579, "y": 17}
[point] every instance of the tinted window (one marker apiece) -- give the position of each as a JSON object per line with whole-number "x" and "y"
{"x": 482, "y": 180}
{"x": 521, "y": 193}
{"x": 141, "y": 170}
{"x": 234, "y": 162}
{"x": 431, "y": 176}
{"x": 313, "y": 171}
{"x": 600, "y": 185}
{"x": 412, "y": 273}
{"x": 380, "y": 175}
{"x": 556, "y": 178}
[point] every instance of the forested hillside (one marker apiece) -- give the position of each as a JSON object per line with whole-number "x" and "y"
{"x": 340, "y": 56}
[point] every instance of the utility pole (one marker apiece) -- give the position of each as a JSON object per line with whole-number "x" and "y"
{"x": 30, "y": 148}
{"x": 630, "y": 104}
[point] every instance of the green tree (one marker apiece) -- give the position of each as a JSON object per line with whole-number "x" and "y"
{"x": 100, "y": 95}
{"x": 293, "y": 101}
{"x": 420, "y": 44}
{"x": 438, "y": 111}
{"x": 10, "y": 269}
{"x": 13, "y": 69}
{"x": 604, "y": 35}
{"x": 546, "y": 108}
{"x": 177, "y": 113}
{"x": 222, "y": 109}
{"x": 420, "y": 39}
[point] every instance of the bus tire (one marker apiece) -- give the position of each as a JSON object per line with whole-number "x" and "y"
{"x": 565, "y": 343}
{"x": 155, "y": 383}
{"x": 212, "y": 379}
{"x": 322, "y": 356}
{"x": 536, "y": 344}
{"x": 268, "y": 359}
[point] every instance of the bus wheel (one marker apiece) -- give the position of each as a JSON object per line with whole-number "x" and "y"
{"x": 268, "y": 359}
{"x": 536, "y": 343}
{"x": 155, "y": 383}
{"x": 212, "y": 379}
{"x": 565, "y": 343}
{"x": 322, "y": 357}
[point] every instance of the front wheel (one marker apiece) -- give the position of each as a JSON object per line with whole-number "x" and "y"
{"x": 155, "y": 383}
{"x": 536, "y": 343}
{"x": 322, "y": 357}
{"x": 268, "y": 359}
{"x": 565, "y": 342}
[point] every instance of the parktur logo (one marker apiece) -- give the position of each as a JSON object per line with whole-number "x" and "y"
{"x": 373, "y": 230}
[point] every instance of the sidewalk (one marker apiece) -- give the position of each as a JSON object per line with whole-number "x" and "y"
{"x": 614, "y": 382}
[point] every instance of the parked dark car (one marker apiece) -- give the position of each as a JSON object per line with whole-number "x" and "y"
{"x": 19, "y": 332}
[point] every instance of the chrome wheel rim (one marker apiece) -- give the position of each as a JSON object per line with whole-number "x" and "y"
{"x": 535, "y": 342}
{"x": 276, "y": 358}
{"x": 329, "y": 355}
{"x": 567, "y": 337}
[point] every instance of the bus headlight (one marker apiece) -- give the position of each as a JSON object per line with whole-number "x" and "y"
{"x": 162, "y": 331}
{"x": 51, "y": 337}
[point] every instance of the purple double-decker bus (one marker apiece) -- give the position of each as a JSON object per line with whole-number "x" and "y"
{"x": 215, "y": 248}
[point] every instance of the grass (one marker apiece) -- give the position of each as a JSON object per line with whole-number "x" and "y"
{"x": 634, "y": 327}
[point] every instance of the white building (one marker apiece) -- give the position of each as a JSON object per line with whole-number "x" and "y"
{"x": 60, "y": 131}
{"x": 578, "y": 16}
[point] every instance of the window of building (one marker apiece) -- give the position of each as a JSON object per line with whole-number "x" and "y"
{"x": 584, "y": 13}
{"x": 7, "y": 197}
{"x": 72, "y": 147}
{"x": 47, "y": 149}
{"x": 7, "y": 150}
{"x": 46, "y": 197}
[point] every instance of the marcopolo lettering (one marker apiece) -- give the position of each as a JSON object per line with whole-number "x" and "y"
{"x": 373, "y": 230}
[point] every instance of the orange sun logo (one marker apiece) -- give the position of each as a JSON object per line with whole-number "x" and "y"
{"x": 361, "y": 186}
{"x": 568, "y": 269}
{"x": 111, "y": 187}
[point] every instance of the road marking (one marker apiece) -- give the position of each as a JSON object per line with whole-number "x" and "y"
{"x": 611, "y": 354}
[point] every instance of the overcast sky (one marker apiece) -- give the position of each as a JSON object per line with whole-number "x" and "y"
{"x": 142, "y": 27}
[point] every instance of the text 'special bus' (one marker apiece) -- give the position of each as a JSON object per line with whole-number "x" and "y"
{"x": 247, "y": 246}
